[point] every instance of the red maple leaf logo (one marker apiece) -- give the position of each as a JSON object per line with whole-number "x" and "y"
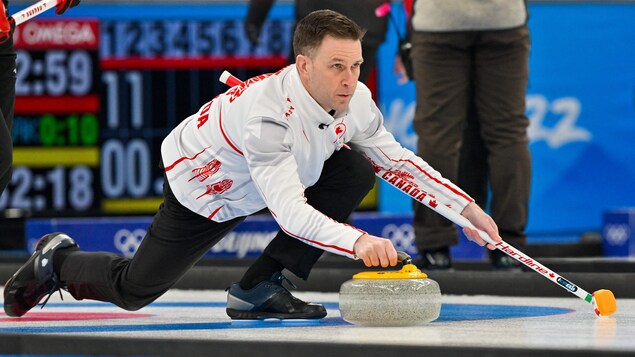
{"x": 340, "y": 129}
{"x": 404, "y": 175}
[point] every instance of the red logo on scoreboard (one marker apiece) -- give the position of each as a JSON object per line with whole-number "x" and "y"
{"x": 57, "y": 34}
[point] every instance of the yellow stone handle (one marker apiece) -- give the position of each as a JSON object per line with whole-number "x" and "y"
{"x": 404, "y": 258}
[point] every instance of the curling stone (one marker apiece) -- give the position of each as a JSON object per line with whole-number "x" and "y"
{"x": 406, "y": 297}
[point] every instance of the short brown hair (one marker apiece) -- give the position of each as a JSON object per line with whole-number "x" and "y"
{"x": 314, "y": 27}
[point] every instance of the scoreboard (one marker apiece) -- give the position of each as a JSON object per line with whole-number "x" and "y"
{"x": 56, "y": 126}
{"x": 96, "y": 97}
{"x": 155, "y": 74}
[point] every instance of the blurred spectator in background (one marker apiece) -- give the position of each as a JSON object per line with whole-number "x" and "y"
{"x": 7, "y": 86}
{"x": 473, "y": 53}
{"x": 360, "y": 11}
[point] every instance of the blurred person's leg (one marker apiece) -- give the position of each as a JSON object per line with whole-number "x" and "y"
{"x": 473, "y": 170}
{"x": 6, "y": 153}
{"x": 442, "y": 74}
{"x": 7, "y": 102}
{"x": 369, "y": 53}
{"x": 501, "y": 80}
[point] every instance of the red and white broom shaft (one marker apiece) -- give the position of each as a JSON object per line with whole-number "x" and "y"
{"x": 229, "y": 79}
{"x": 603, "y": 307}
{"x": 34, "y": 10}
{"x": 31, "y": 11}
{"x": 508, "y": 249}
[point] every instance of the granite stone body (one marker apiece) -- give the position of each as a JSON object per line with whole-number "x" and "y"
{"x": 390, "y": 302}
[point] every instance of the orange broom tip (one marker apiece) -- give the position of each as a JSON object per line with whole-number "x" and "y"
{"x": 605, "y": 302}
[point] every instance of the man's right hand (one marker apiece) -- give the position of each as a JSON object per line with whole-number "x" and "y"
{"x": 375, "y": 251}
{"x": 64, "y": 5}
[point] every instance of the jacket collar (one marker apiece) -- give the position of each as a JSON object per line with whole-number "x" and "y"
{"x": 314, "y": 111}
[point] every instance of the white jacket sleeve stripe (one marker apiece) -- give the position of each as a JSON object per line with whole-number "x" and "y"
{"x": 220, "y": 124}
{"x": 320, "y": 244}
{"x": 183, "y": 158}
{"x": 431, "y": 177}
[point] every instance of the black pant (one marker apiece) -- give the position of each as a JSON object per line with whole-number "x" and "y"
{"x": 177, "y": 238}
{"x": 489, "y": 70}
{"x": 7, "y": 100}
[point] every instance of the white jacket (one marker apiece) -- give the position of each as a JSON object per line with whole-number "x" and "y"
{"x": 260, "y": 144}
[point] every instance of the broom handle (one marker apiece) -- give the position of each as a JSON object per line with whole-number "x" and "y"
{"x": 511, "y": 251}
{"x": 33, "y": 10}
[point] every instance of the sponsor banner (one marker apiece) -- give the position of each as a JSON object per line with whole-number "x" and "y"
{"x": 618, "y": 233}
{"x": 118, "y": 235}
{"x": 123, "y": 235}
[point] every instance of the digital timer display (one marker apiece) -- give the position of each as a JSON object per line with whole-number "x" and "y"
{"x": 56, "y": 126}
{"x": 58, "y": 188}
{"x": 54, "y": 73}
{"x": 71, "y": 130}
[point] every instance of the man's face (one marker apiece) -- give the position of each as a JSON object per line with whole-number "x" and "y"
{"x": 331, "y": 75}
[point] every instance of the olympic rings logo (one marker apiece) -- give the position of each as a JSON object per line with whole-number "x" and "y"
{"x": 617, "y": 234}
{"x": 402, "y": 236}
{"x": 128, "y": 242}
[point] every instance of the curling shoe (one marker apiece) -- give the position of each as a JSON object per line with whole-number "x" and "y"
{"x": 269, "y": 300}
{"x": 435, "y": 259}
{"x": 36, "y": 277}
{"x": 503, "y": 262}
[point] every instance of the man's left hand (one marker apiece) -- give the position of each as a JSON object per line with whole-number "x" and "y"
{"x": 64, "y": 5}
